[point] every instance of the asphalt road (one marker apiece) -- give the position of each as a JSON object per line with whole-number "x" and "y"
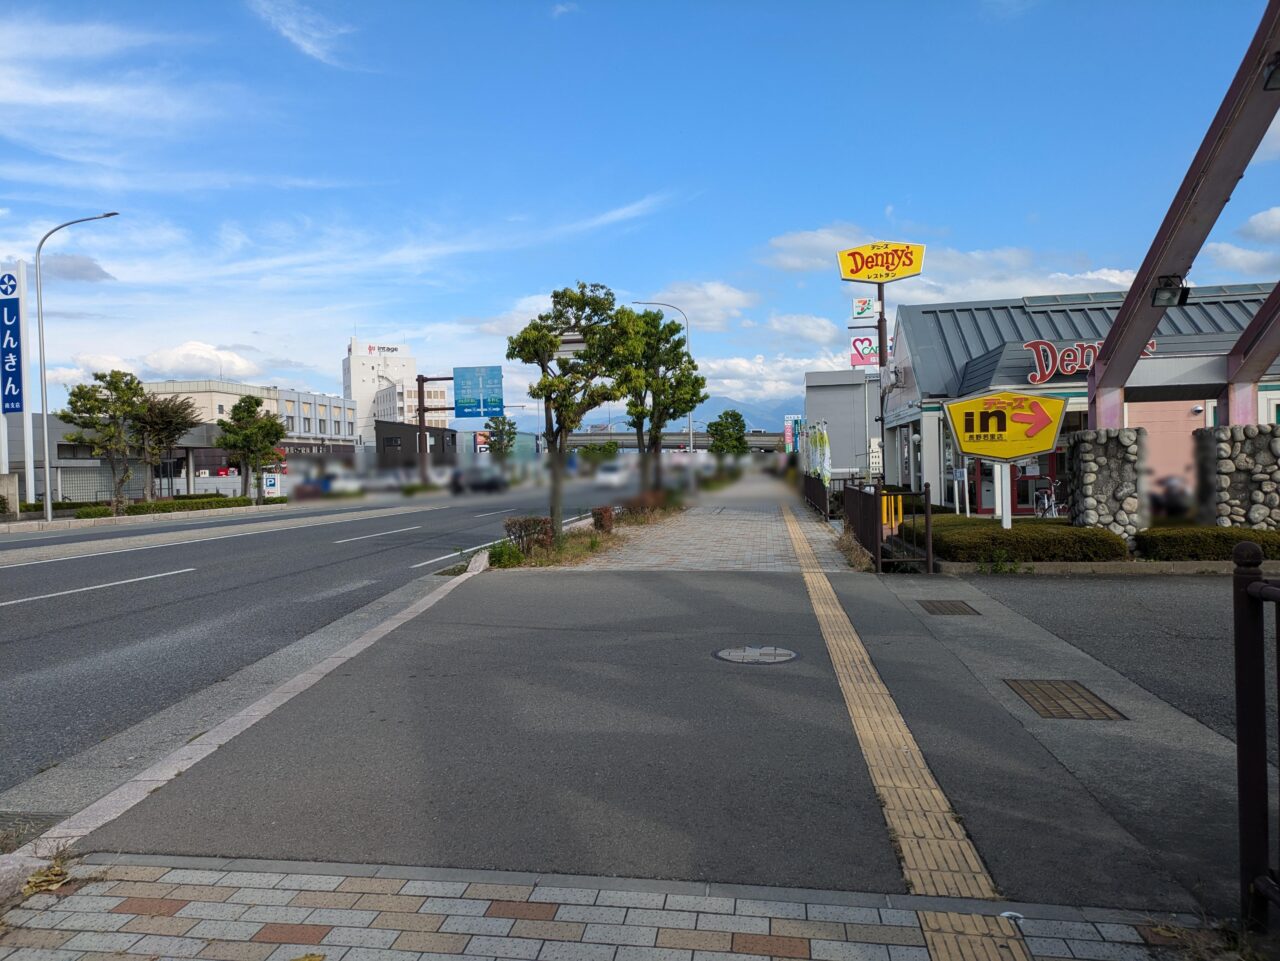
{"x": 91, "y": 645}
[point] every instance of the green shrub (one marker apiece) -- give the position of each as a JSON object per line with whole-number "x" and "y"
{"x": 172, "y": 507}
{"x": 505, "y": 554}
{"x": 93, "y": 510}
{"x": 4, "y": 505}
{"x": 198, "y": 497}
{"x": 984, "y": 541}
{"x": 38, "y": 507}
{"x": 282, "y": 499}
{"x": 419, "y": 488}
{"x": 530, "y": 532}
{"x": 1203, "y": 543}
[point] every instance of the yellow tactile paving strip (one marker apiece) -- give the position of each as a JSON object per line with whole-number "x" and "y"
{"x": 937, "y": 856}
{"x": 971, "y": 937}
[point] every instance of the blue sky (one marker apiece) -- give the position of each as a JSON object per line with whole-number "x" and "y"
{"x": 291, "y": 171}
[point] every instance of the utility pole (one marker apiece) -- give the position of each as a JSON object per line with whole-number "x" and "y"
{"x": 424, "y": 440}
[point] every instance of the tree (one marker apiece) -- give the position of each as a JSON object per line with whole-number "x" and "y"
{"x": 502, "y": 437}
{"x": 105, "y": 412}
{"x": 659, "y": 379}
{"x": 573, "y": 386}
{"x": 728, "y": 437}
{"x": 159, "y": 424}
{"x": 249, "y": 436}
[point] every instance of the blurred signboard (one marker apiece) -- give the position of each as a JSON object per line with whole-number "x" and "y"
{"x": 477, "y": 391}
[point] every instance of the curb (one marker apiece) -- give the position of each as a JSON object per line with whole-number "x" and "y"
{"x": 70, "y": 523}
{"x": 1141, "y": 568}
{"x": 15, "y": 868}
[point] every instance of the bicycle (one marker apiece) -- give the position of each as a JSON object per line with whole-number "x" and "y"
{"x": 1046, "y": 501}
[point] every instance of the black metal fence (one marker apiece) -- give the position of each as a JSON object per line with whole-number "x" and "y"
{"x": 1251, "y": 593}
{"x": 816, "y": 495}
{"x": 876, "y": 517}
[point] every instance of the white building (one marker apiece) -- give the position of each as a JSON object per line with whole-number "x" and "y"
{"x": 368, "y": 368}
{"x": 398, "y": 402}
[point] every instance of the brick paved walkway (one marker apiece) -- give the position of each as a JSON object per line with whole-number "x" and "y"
{"x": 130, "y": 908}
{"x": 740, "y": 528}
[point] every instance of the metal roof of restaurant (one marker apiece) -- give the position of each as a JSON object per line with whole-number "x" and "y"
{"x": 944, "y": 338}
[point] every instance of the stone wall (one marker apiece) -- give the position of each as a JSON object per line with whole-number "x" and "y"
{"x": 1238, "y": 474}
{"x": 1107, "y": 478}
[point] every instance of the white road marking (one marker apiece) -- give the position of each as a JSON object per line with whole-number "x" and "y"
{"x": 457, "y": 553}
{"x": 219, "y": 537}
{"x": 436, "y": 560}
{"x": 365, "y": 537}
{"x": 95, "y": 587}
{"x": 491, "y": 513}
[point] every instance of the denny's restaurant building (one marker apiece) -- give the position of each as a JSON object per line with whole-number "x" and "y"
{"x": 1048, "y": 344}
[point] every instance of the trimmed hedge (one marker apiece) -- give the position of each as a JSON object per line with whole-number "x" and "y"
{"x": 198, "y": 497}
{"x": 530, "y": 532}
{"x": 981, "y": 541}
{"x": 282, "y": 499}
{"x": 93, "y": 510}
{"x": 1203, "y": 543}
{"x": 602, "y": 519}
{"x": 172, "y": 507}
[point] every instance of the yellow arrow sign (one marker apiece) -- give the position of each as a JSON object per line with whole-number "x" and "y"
{"x": 881, "y": 262}
{"x": 1006, "y": 426}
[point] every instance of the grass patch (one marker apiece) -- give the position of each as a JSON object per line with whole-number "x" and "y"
{"x": 859, "y": 557}
{"x": 573, "y": 547}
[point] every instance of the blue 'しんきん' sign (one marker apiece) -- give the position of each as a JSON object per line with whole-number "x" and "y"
{"x": 10, "y": 349}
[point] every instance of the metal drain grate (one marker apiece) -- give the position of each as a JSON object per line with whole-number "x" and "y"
{"x": 756, "y": 655}
{"x": 946, "y": 607}
{"x": 19, "y": 827}
{"x": 1064, "y": 700}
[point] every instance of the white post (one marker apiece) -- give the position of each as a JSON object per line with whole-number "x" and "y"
{"x": 1006, "y": 496}
{"x": 966, "y": 492}
{"x": 4, "y": 444}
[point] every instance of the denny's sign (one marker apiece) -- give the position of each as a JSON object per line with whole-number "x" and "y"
{"x": 881, "y": 262}
{"x": 1066, "y": 359}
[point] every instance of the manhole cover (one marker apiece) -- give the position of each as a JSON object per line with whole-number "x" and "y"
{"x": 756, "y": 655}
{"x": 1064, "y": 700}
{"x": 947, "y": 607}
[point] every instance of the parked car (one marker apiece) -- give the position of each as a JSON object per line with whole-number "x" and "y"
{"x": 612, "y": 474}
{"x": 484, "y": 478}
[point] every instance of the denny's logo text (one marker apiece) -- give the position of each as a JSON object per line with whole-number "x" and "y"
{"x": 1052, "y": 360}
{"x": 881, "y": 262}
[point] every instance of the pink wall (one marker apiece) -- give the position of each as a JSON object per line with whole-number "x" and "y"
{"x": 1169, "y": 424}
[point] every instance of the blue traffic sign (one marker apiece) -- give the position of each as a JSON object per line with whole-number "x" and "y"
{"x": 477, "y": 392}
{"x": 8, "y": 285}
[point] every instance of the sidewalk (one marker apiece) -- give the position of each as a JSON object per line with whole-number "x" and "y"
{"x": 738, "y": 528}
{"x": 874, "y": 791}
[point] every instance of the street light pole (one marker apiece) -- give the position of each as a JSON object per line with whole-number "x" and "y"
{"x": 688, "y": 349}
{"x": 44, "y": 381}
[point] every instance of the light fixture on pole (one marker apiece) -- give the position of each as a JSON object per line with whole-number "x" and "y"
{"x": 1169, "y": 292}
{"x": 693, "y": 474}
{"x": 44, "y": 382}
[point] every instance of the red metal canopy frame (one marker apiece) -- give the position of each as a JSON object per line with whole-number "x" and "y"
{"x": 1233, "y": 138}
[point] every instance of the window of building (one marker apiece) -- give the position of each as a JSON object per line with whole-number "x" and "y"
{"x": 351, "y": 428}
{"x": 306, "y": 408}
{"x": 321, "y": 424}
{"x": 221, "y": 410}
{"x": 288, "y": 406}
{"x": 289, "y": 424}
{"x": 306, "y": 425}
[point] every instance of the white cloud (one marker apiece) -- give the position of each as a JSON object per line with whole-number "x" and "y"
{"x": 46, "y": 40}
{"x": 1264, "y": 264}
{"x": 764, "y": 378}
{"x": 819, "y": 330}
{"x": 194, "y": 358}
{"x": 805, "y": 250}
{"x": 1263, "y": 226}
{"x": 710, "y": 304}
{"x": 509, "y": 322}
{"x": 311, "y": 32}
{"x": 73, "y": 267}
{"x": 949, "y": 274}
{"x": 560, "y": 9}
